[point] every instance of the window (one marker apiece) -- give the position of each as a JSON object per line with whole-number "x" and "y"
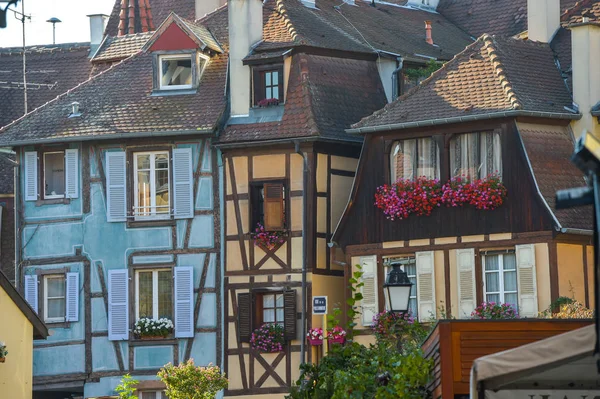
{"x": 54, "y": 174}
{"x": 154, "y": 294}
{"x": 152, "y": 185}
{"x": 268, "y": 85}
{"x": 270, "y": 308}
{"x": 500, "y": 277}
{"x": 258, "y": 307}
{"x": 268, "y": 205}
{"x": 153, "y": 395}
{"x": 415, "y": 158}
{"x": 54, "y": 298}
{"x": 409, "y": 265}
{"x": 475, "y": 155}
{"x": 175, "y": 72}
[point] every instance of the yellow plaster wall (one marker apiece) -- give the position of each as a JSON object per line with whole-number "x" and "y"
{"x": 445, "y": 240}
{"x": 296, "y": 211}
{"x": 500, "y": 236}
{"x": 321, "y": 173}
{"x": 393, "y": 244}
{"x": 542, "y": 270}
{"x": 322, "y": 253}
{"x": 440, "y": 281}
{"x": 340, "y": 192}
{"x": 343, "y": 163}
{"x": 296, "y": 172}
{"x": 333, "y": 288}
{"x": 232, "y": 228}
{"x": 240, "y": 165}
{"x": 365, "y": 340}
{"x": 590, "y": 273}
{"x": 268, "y": 166}
{"x": 321, "y": 215}
{"x": 419, "y": 243}
{"x": 16, "y": 332}
{"x": 570, "y": 271}
{"x": 476, "y": 238}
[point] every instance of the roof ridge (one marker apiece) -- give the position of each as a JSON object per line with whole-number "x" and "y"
{"x": 210, "y": 14}
{"x": 490, "y": 46}
{"x": 66, "y": 93}
{"x": 286, "y": 19}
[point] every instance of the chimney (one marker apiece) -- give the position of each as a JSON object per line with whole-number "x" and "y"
{"x": 585, "y": 53}
{"x": 428, "y": 37}
{"x": 97, "y": 24}
{"x": 245, "y": 30}
{"x": 204, "y": 7}
{"x": 543, "y": 19}
{"x": 135, "y": 17}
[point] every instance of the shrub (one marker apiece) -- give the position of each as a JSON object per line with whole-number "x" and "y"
{"x": 127, "y": 387}
{"x": 147, "y": 327}
{"x": 574, "y": 310}
{"x": 494, "y": 311}
{"x": 268, "y": 338}
{"x": 188, "y": 381}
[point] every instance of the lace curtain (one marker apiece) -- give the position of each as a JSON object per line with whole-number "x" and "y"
{"x": 476, "y": 155}
{"x": 414, "y": 158}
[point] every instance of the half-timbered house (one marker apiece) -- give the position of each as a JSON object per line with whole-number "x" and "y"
{"x": 300, "y": 73}
{"x": 119, "y": 191}
{"x": 500, "y": 107}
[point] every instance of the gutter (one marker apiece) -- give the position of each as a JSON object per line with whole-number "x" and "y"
{"x": 308, "y": 139}
{"x": 580, "y": 232}
{"x": 396, "y": 77}
{"x": 458, "y": 119}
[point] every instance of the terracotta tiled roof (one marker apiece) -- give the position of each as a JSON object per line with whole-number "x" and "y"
{"x": 549, "y": 149}
{"x": 583, "y": 8}
{"x": 334, "y": 93}
{"x": 160, "y": 11}
{"x": 51, "y": 70}
{"x": 116, "y": 48}
{"x": 492, "y": 75}
{"x": 119, "y": 102}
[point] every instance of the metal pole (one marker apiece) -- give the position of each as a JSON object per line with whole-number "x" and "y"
{"x": 53, "y": 33}
{"x": 304, "y": 250}
{"x": 24, "y": 59}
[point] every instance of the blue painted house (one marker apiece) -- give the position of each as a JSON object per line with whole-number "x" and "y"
{"x": 119, "y": 190}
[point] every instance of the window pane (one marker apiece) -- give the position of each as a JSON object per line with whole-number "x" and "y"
{"x": 276, "y": 92}
{"x": 268, "y": 301}
{"x": 492, "y": 282}
{"x": 143, "y": 161}
{"x": 143, "y": 194}
{"x": 512, "y": 299}
{"x": 510, "y": 262}
{"x": 428, "y": 159}
{"x": 491, "y": 262}
{"x": 56, "y": 308}
{"x": 176, "y": 72}
{"x": 162, "y": 191}
{"x": 510, "y": 281}
{"x": 54, "y": 173}
{"x": 279, "y": 300}
{"x": 268, "y": 78}
{"x": 269, "y": 316}
{"x": 269, "y": 93}
{"x": 275, "y": 78}
{"x": 165, "y": 294}
{"x": 56, "y": 287}
{"x": 145, "y": 294}
{"x": 492, "y": 298}
{"x": 279, "y": 315}
{"x": 412, "y": 306}
{"x": 403, "y": 159}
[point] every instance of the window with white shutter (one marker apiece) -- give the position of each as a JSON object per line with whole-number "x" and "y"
{"x": 183, "y": 183}
{"x": 426, "y": 285}
{"x": 467, "y": 291}
{"x": 526, "y": 278}
{"x": 116, "y": 194}
{"x": 72, "y": 313}
{"x": 31, "y": 176}
{"x": 184, "y": 298}
{"x": 31, "y": 291}
{"x": 369, "y": 302}
{"x": 72, "y": 173}
{"x": 55, "y": 298}
{"x": 151, "y": 185}
{"x": 118, "y": 305}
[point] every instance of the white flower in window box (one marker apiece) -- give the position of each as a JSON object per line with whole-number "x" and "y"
{"x": 147, "y": 328}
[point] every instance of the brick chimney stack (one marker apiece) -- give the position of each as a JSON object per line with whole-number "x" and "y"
{"x": 428, "y": 37}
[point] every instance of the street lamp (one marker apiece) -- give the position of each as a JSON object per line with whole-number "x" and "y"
{"x": 3, "y": 10}
{"x": 54, "y": 21}
{"x": 397, "y": 290}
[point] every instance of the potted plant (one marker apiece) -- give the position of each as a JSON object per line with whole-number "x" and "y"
{"x": 267, "y": 240}
{"x": 494, "y": 311}
{"x": 268, "y": 102}
{"x": 336, "y": 335}
{"x": 3, "y": 352}
{"x": 315, "y": 336}
{"x": 147, "y": 328}
{"x": 268, "y": 338}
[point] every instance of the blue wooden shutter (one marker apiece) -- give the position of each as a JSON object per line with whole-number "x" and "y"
{"x": 31, "y": 176}
{"x": 184, "y": 298}
{"x": 31, "y": 291}
{"x": 72, "y": 173}
{"x": 116, "y": 190}
{"x": 183, "y": 184}
{"x": 72, "y": 313}
{"x": 118, "y": 305}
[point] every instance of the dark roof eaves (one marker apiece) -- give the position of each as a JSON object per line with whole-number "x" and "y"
{"x": 258, "y": 143}
{"x": 458, "y": 119}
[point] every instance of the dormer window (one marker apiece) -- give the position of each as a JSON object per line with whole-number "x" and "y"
{"x": 268, "y": 85}
{"x": 175, "y": 72}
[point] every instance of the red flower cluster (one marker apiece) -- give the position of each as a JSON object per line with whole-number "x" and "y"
{"x": 406, "y": 197}
{"x": 488, "y": 193}
{"x": 267, "y": 239}
{"x": 267, "y": 102}
{"x": 268, "y": 338}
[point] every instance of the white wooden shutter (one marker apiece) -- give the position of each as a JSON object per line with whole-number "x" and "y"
{"x": 72, "y": 173}
{"x": 72, "y": 313}
{"x": 526, "y": 279}
{"x": 467, "y": 290}
{"x": 184, "y": 298}
{"x": 183, "y": 184}
{"x": 118, "y": 301}
{"x": 369, "y": 289}
{"x": 31, "y": 291}
{"x": 425, "y": 285}
{"x": 116, "y": 193}
{"x": 31, "y": 176}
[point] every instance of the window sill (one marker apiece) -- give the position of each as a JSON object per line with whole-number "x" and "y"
{"x": 151, "y": 223}
{"x": 153, "y": 342}
{"x": 174, "y": 92}
{"x": 57, "y": 324}
{"x": 53, "y": 201}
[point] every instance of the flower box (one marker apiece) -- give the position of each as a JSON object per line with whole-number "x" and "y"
{"x": 267, "y": 240}
{"x": 153, "y": 337}
{"x": 268, "y": 338}
{"x": 338, "y": 340}
{"x": 315, "y": 341}
{"x": 151, "y": 329}
{"x": 336, "y": 335}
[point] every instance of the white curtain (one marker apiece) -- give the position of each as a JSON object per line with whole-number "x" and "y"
{"x": 476, "y": 155}
{"x": 414, "y": 158}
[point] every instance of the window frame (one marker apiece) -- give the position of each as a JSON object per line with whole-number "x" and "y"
{"x": 45, "y": 298}
{"x": 254, "y": 193}
{"x": 259, "y": 314}
{"x": 415, "y": 162}
{"x": 155, "y": 299}
{"x": 134, "y": 199}
{"x": 456, "y": 136}
{"x": 43, "y": 173}
{"x": 501, "y": 291}
{"x": 174, "y": 57}
{"x": 259, "y": 81}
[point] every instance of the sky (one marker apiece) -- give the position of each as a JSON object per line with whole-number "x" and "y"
{"x": 75, "y": 26}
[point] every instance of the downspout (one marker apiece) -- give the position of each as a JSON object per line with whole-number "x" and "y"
{"x": 396, "y": 78}
{"x": 304, "y": 250}
{"x": 221, "y": 167}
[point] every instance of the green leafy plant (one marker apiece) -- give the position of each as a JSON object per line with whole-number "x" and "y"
{"x": 417, "y": 74}
{"x": 333, "y": 318}
{"x": 126, "y": 389}
{"x": 3, "y": 351}
{"x": 188, "y": 381}
{"x": 352, "y": 312}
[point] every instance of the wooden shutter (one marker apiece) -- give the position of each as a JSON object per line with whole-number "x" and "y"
{"x": 369, "y": 302}
{"x": 118, "y": 305}
{"x": 526, "y": 279}
{"x": 258, "y": 80}
{"x": 425, "y": 285}
{"x": 289, "y": 315}
{"x": 116, "y": 189}
{"x": 280, "y": 84}
{"x": 184, "y": 302}
{"x": 467, "y": 291}
{"x": 244, "y": 316}
{"x": 31, "y": 176}
{"x": 72, "y": 313}
{"x": 71, "y": 173}
{"x": 273, "y": 206}
{"x": 183, "y": 184}
{"x": 31, "y": 291}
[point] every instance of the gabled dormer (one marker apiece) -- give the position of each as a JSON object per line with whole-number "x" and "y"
{"x": 181, "y": 51}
